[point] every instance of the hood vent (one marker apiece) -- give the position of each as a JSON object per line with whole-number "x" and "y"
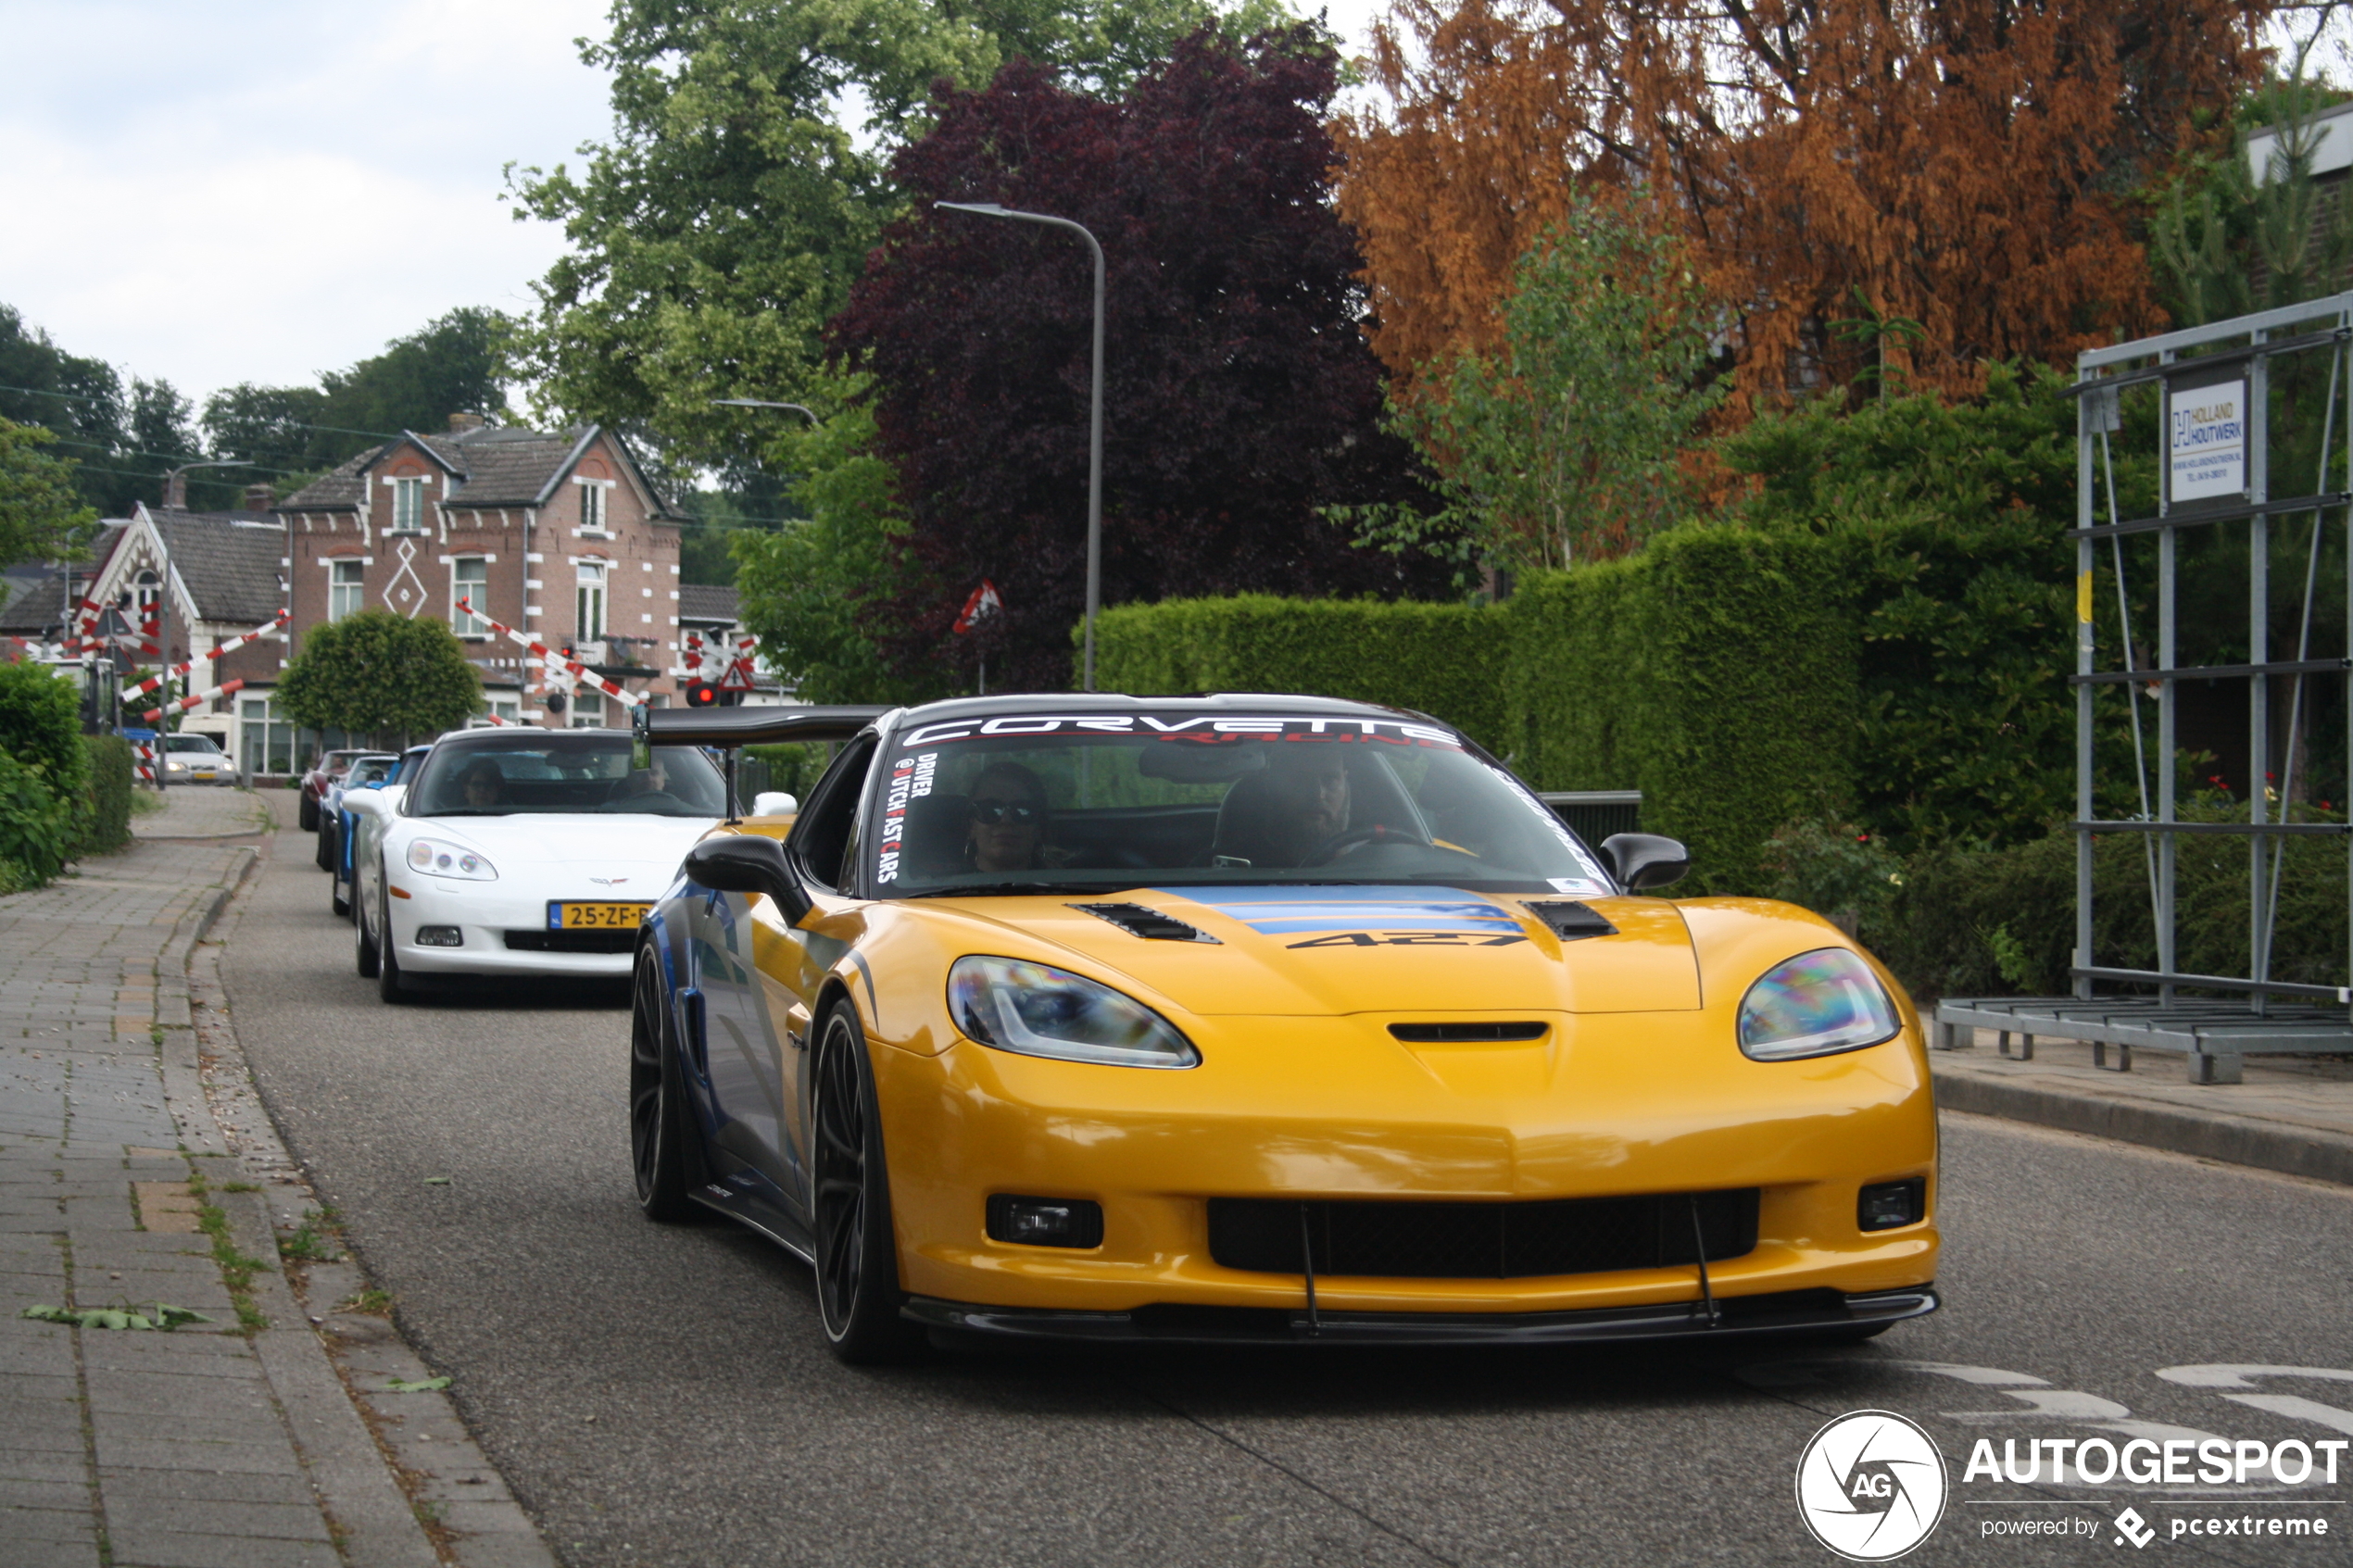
{"x": 1570, "y": 921}
{"x": 1466, "y": 1033}
{"x": 1151, "y": 924}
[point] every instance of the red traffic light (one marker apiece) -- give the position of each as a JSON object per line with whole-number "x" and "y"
{"x": 701, "y": 693}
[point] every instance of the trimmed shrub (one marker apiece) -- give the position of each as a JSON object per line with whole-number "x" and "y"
{"x": 110, "y": 770}
{"x": 38, "y": 829}
{"x": 1443, "y": 659}
{"x": 41, "y": 725}
{"x": 1714, "y": 673}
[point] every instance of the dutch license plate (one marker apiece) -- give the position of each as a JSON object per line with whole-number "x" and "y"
{"x": 595, "y": 917}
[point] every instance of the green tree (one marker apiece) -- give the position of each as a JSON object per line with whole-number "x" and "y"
{"x": 723, "y": 223}
{"x": 43, "y": 516}
{"x": 805, "y": 589}
{"x": 79, "y": 399}
{"x": 1567, "y": 443}
{"x": 382, "y": 674}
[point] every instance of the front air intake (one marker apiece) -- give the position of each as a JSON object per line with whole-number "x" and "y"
{"x": 1446, "y": 1240}
{"x": 1466, "y": 1033}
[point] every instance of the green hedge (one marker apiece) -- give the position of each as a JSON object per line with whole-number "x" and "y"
{"x": 1715, "y": 672}
{"x": 41, "y": 724}
{"x": 1443, "y": 659}
{"x": 108, "y": 825}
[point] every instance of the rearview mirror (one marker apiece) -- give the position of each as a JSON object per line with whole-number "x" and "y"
{"x": 1646, "y": 859}
{"x": 749, "y": 863}
{"x": 773, "y": 803}
{"x": 362, "y": 802}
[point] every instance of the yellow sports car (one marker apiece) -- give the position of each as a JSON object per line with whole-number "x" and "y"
{"x": 1265, "y": 1019}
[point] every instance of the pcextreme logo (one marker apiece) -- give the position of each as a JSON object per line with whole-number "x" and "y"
{"x": 1871, "y": 1485}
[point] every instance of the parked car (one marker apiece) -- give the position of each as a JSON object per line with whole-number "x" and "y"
{"x": 1260, "y": 1019}
{"x": 330, "y": 766}
{"x": 350, "y": 824}
{"x": 194, "y": 759}
{"x": 366, "y": 768}
{"x": 521, "y": 851}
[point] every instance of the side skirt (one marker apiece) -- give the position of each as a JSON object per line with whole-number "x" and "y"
{"x": 746, "y": 1209}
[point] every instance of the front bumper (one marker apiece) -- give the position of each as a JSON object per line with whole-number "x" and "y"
{"x": 484, "y": 913}
{"x": 1794, "y": 1312}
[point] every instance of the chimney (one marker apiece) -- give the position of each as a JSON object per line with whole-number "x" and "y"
{"x": 261, "y": 497}
{"x": 461, "y": 423}
{"x": 175, "y": 491}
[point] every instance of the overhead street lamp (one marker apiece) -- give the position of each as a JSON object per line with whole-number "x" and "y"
{"x": 762, "y": 403}
{"x": 1095, "y": 414}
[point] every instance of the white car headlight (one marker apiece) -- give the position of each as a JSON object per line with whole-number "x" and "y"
{"x": 1816, "y": 1004}
{"x": 1034, "y": 1011}
{"x": 444, "y": 859}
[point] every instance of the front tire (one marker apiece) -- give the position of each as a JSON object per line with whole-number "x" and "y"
{"x": 323, "y": 855}
{"x": 363, "y": 946}
{"x": 388, "y": 982}
{"x": 858, "y": 1294}
{"x": 307, "y": 815}
{"x": 657, "y": 1100}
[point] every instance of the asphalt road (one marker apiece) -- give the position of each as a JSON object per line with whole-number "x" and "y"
{"x": 661, "y": 1394}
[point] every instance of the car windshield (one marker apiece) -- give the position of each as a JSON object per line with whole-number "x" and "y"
{"x": 1071, "y": 804}
{"x": 559, "y": 772}
{"x": 189, "y": 743}
{"x": 369, "y": 770}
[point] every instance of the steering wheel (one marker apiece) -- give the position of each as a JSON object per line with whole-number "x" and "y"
{"x": 1349, "y": 838}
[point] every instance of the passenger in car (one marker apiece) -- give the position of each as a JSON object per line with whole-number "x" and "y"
{"x": 484, "y": 784}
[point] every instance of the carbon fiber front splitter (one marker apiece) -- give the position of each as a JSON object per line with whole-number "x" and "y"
{"x": 1781, "y": 1312}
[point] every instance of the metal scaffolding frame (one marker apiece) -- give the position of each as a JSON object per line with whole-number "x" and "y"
{"x": 2257, "y": 1015}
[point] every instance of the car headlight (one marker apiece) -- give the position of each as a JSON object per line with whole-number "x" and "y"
{"x": 438, "y": 858}
{"x": 1816, "y": 1004}
{"x": 1034, "y": 1011}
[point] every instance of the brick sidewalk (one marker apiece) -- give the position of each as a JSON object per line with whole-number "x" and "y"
{"x": 203, "y": 812}
{"x": 234, "y": 1441}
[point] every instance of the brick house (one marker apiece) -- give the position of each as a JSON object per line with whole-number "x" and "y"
{"x": 561, "y": 536}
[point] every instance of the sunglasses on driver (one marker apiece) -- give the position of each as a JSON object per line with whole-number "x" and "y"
{"x": 991, "y": 812}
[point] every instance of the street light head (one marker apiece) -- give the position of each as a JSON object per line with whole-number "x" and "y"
{"x": 986, "y": 209}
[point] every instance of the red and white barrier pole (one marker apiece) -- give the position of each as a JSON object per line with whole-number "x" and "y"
{"x": 171, "y": 709}
{"x": 153, "y": 682}
{"x": 555, "y": 660}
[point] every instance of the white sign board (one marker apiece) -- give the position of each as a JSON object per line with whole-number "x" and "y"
{"x": 2206, "y": 441}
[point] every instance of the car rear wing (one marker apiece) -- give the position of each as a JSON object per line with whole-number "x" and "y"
{"x": 730, "y": 729}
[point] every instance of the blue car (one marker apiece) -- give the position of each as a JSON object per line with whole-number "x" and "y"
{"x": 340, "y": 898}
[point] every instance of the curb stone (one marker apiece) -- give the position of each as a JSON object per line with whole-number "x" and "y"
{"x": 2239, "y": 1141}
{"x": 400, "y": 1473}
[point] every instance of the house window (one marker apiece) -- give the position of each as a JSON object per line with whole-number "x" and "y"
{"x": 589, "y": 708}
{"x": 507, "y": 708}
{"x": 590, "y": 622}
{"x": 407, "y": 506}
{"x": 150, "y": 595}
{"x": 592, "y": 507}
{"x": 346, "y": 580}
{"x": 469, "y": 581}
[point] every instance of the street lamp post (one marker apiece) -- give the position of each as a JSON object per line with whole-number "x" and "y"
{"x": 1094, "y": 420}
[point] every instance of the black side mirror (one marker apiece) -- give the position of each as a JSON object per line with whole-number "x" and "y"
{"x": 749, "y": 863}
{"x": 1646, "y": 859}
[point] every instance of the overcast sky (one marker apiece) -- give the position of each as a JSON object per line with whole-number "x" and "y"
{"x": 216, "y": 191}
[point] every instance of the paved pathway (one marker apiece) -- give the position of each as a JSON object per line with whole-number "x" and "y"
{"x": 204, "y": 812}
{"x": 232, "y": 1440}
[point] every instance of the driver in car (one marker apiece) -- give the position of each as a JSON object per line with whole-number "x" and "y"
{"x": 1310, "y": 802}
{"x": 483, "y": 783}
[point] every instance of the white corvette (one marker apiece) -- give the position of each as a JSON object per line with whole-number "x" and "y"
{"x": 523, "y": 851}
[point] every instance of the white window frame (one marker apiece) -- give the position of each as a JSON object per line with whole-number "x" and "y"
{"x": 355, "y": 587}
{"x": 408, "y": 506}
{"x": 592, "y": 506}
{"x": 586, "y": 708}
{"x": 588, "y": 602}
{"x": 463, "y": 624}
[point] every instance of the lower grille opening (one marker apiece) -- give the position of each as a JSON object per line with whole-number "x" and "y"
{"x": 571, "y": 941}
{"x": 1443, "y": 1240}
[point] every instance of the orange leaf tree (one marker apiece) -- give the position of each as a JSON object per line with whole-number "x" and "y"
{"x": 1965, "y": 165}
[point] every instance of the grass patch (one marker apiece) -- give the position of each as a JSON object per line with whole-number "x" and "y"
{"x": 236, "y": 1269}
{"x": 240, "y": 1187}
{"x": 308, "y": 1244}
{"x": 145, "y": 802}
{"x": 373, "y": 1302}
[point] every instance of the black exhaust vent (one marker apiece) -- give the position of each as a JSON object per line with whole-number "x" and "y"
{"x": 571, "y": 941}
{"x": 1441, "y": 1240}
{"x": 1466, "y": 1033}
{"x": 1570, "y": 920}
{"x": 1148, "y": 924}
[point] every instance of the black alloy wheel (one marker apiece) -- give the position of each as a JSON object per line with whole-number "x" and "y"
{"x": 388, "y": 984}
{"x": 858, "y": 1294}
{"x": 363, "y": 944}
{"x": 657, "y": 1100}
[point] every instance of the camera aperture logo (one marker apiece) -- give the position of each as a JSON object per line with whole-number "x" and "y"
{"x": 1871, "y": 1485}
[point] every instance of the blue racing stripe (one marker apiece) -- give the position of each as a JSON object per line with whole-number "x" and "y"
{"x": 1282, "y": 911}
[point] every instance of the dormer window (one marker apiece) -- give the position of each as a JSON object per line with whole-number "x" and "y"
{"x": 592, "y": 507}
{"x": 407, "y": 506}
